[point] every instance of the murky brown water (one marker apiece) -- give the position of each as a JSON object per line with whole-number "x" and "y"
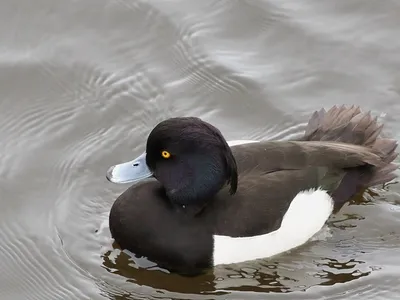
{"x": 83, "y": 82}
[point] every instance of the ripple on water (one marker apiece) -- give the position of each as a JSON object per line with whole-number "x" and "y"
{"x": 28, "y": 255}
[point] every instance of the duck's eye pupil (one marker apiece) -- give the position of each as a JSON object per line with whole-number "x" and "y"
{"x": 165, "y": 154}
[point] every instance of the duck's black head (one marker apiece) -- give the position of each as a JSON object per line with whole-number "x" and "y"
{"x": 189, "y": 157}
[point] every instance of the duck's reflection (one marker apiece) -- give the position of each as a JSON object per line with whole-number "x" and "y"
{"x": 143, "y": 272}
{"x": 283, "y": 275}
{"x": 335, "y": 271}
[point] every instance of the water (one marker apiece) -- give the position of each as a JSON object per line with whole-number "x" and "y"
{"x": 83, "y": 82}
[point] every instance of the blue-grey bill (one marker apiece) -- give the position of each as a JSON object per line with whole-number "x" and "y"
{"x": 129, "y": 172}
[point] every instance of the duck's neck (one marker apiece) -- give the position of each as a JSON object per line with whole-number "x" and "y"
{"x": 202, "y": 178}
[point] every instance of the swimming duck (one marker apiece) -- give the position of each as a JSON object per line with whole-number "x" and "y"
{"x": 200, "y": 201}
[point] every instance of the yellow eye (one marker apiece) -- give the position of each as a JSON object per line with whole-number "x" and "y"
{"x": 166, "y": 154}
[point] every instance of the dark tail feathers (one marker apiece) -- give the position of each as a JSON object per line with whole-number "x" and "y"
{"x": 350, "y": 125}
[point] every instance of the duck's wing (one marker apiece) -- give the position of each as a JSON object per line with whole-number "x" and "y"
{"x": 272, "y": 174}
{"x": 276, "y": 211}
{"x": 273, "y": 156}
{"x": 271, "y": 213}
{"x": 262, "y": 199}
{"x": 287, "y": 189}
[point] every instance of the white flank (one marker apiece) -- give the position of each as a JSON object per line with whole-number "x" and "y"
{"x": 305, "y": 217}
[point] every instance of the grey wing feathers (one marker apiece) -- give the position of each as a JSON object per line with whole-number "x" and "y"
{"x": 291, "y": 155}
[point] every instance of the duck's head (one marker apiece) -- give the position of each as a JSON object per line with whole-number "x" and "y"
{"x": 189, "y": 157}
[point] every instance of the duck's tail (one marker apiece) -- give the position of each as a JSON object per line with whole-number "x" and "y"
{"x": 350, "y": 125}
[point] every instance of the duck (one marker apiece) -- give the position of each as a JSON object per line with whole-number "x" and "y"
{"x": 197, "y": 201}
